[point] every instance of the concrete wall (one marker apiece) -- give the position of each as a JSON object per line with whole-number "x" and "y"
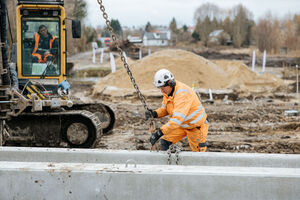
{"x": 41, "y": 173}
{"x": 27, "y": 154}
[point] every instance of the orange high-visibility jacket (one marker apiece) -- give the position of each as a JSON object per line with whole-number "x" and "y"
{"x": 184, "y": 108}
{"x": 37, "y": 39}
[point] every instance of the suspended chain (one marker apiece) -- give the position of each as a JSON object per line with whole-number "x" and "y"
{"x": 173, "y": 148}
{"x": 114, "y": 38}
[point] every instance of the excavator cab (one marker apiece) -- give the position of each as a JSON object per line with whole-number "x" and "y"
{"x": 34, "y": 52}
{"x": 37, "y": 109}
{"x": 31, "y": 67}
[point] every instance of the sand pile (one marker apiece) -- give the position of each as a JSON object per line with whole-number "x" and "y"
{"x": 242, "y": 79}
{"x": 189, "y": 68}
{"x": 119, "y": 62}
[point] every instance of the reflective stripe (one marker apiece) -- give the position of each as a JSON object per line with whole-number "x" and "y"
{"x": 167, "y": 124}
{"x": 178, "y": 114}
{"x": 176, "y": 121}
{"x": 194, "y": 113}
{"x": 51, "y": 41}
{"x": 181, "y": 90}
{"x": 198, "y": 118}
{"x": 163, "y": 105}
{"x": 184, "y": 125}
{"x": 36, "y": 42}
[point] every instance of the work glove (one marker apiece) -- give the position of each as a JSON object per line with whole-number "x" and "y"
{"x": 150, "y": 112}
{"x": 155, "y": 136}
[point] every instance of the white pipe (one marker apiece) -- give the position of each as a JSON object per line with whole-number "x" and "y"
{"x": 264, "y": 61}
{"x": 124, "y": 54}
{"x": 101, "y": 55}
{"x": 140, "y": 54}
{"x": 94, "y": 56}
{"x": 112, "y": 62}
{"x": 297, "y": 81}
{"x": 253, "y": 61}
{"x": 210, "y": 95}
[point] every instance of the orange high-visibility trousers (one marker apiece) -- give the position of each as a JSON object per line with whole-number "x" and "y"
{"x": 196, "y": 137}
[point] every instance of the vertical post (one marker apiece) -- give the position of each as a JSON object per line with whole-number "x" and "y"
{"x": 264, "y": 61}
{"x": 94, "y": 56}
{"x": 297, "y": 80}
{"x": 112, "y": 62}
{"x": 94, "y": 47}
{"x": 140, "y": 54}
{"x": 210, "y": 95}
{"x": 101, "y": 55}
{"x": 1, "y": 133}
{"x": 149, "y": 52}
{"x": 124, "y": 54}
{"x": 253, "y": 61}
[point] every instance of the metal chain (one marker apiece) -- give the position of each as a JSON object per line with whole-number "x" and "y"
{"x": 173, "y": 148}
{"x": 114, "y": 38}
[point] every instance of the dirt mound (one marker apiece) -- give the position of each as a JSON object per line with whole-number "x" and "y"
{"x": 242, "y": 79}
{"x": 191, "y": 69}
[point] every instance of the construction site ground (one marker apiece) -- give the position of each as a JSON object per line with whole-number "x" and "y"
{"x": 247, "y": 123}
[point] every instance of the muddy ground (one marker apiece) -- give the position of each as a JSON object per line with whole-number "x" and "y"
{"x": 257, "y": 125}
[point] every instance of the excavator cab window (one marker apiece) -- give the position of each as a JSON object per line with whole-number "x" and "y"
{"x": 40, "y": 50}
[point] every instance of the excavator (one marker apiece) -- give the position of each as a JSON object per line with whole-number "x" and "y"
{"x": 37, "y": 108}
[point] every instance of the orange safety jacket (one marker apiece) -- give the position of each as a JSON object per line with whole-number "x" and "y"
{"x": 184, "y": 108}
{"x": 37, "y": 39}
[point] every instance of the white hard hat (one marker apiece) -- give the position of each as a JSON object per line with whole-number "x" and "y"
{"x": 162, "y": 77}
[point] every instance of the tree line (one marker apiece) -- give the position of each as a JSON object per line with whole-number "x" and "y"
{"x": 268, "y": 33}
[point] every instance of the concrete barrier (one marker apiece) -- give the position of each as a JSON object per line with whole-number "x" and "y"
{"x": 45, "y": 173}
{"x": 28, "y": 154}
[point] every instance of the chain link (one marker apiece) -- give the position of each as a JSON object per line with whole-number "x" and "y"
{"x": 114, "y": 38}
{"x": 173, "y": 148}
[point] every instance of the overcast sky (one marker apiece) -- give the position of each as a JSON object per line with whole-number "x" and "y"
{"x": 160, "y": 12}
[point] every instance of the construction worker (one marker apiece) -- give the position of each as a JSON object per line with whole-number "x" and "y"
{"x": 44, "y": 46}
{"x": 187, "y": 114}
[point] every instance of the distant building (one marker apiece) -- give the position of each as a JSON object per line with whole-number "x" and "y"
{"x": 156, "y": 39}
{"x": 135, "y": 39}
{"x": 219, "y": 37}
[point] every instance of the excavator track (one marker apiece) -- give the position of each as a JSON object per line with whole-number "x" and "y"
{"x": 76, "y": 128}
{"x": 104, "y": 112}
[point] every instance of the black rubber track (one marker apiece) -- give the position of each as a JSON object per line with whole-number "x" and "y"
{"x": 92, "y": 135}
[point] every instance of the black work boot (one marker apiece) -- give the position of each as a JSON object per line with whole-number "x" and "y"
{"x": 165, "y": 144}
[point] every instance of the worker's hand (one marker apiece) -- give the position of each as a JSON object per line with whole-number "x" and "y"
{"x": 46, "y": 53}
{"x": 155, "y": 136}
{"x": 150, "y": 112}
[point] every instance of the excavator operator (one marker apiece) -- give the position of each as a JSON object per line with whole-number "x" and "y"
{"x": 187, "y": 114}
{"x": 44, "y": 47}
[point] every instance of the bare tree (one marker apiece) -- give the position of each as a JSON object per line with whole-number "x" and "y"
{"x": 296, "y": 20}
{"x": 291, "y": 39}
{"x": 207, "y": 10}
{"x": 267, "y": 34}
{"x": 241, "y": 25}
{"x": 205, "y": 30}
